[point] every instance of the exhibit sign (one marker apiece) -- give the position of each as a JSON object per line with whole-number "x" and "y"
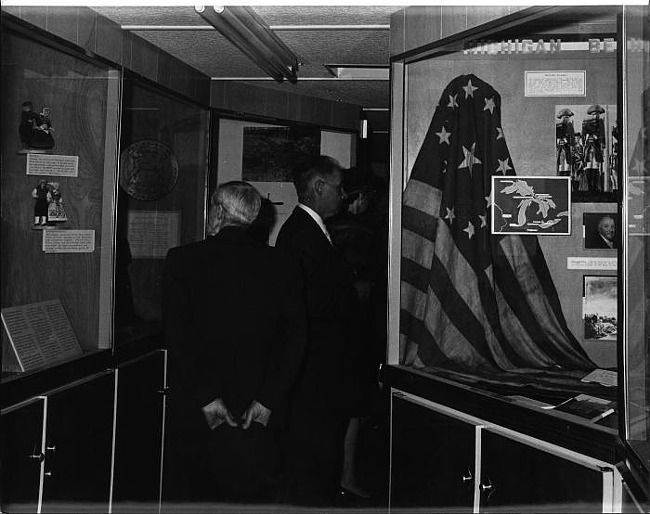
{"x": 555, "y": 83}
{"x": 68, "y": 241}
{"x": 152, "y": 233}
{"x": 53, "y": 165}
{"x": 592, "y": 263}
{"x": 531, "y": 205}
{"x": 40, "y": 334}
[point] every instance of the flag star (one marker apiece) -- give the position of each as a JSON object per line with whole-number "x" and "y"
{"x": 499, "y": 133}
{"x": 450, "y": 215}
{"x": 503, "y": 166}
{"x": 469, "y": 89}
{"x": 443, "y": 135}
{"x": 470, "y": 159}
{"x": 469, "y": 229}
{"x": 452, "y": 101}
{"x": 483, "y": 220}
{"x": 489, "y": 105}
{"x": 489, "y": 201}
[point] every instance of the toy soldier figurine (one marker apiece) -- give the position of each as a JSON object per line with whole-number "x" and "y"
{"x": 578, "y": 178}
{"x": 593, "y": 131}
{"x": 564, "y": 134}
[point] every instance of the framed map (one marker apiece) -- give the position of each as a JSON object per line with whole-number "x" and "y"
{"x": 531, "y": 205}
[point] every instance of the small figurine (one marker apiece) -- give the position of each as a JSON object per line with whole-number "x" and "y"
{"x": 55, "y": 210}
{"x": 564, "y": 135}
{"x": 41, "y": 195}
{"x": 35, "y": 129}
{"x": 593, "y": 131}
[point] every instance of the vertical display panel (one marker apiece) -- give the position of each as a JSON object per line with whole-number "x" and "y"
{"x": 59, "y": 130}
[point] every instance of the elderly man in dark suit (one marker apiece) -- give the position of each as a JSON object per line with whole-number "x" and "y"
{"x": 325, "y": 392}
{"x": 235, "y": 325}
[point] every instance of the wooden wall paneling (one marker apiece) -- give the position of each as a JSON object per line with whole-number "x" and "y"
{"x": 34, "y": 15}
{"x": 397, "y": 32}
{"x": 62, "y": 21}
{"x": 164, "y": 75}
{"x": 178, "y": 80}
{"x": 483, "y": 14}
{"x": 87, "y": 29}
{"x": 110, "y": 40}
{"x": 423, "y": 25}
{"x": 454, "y": 20}
{"x": 144, "y": 58}
{"x": 127, "y": 42}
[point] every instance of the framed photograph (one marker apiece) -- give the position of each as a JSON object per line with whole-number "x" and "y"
{"x": 599, "y": 307}
{"x": 267, "y": 151}
{"x": 531, "y": 205}
{"x": 601, "y": 230}
{"x": 587, "y": 150}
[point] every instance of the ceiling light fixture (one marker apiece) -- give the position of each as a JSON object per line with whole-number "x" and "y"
{"x": 253, "y": 37}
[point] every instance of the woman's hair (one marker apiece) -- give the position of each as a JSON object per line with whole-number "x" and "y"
{"x": 240, "y": 203}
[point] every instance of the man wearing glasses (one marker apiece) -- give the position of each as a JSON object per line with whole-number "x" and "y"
{"x": 321, "y": 401}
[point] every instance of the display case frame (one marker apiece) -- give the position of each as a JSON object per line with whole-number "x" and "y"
{"x": 84, "y": 98}
{"x": 517, "y": 25}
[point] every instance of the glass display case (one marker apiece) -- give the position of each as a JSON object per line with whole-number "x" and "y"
{"x": 161, "y": 201}
{"x": 59, "y": 135}
{"x": 519, "y": 250}
{"x": 636, "y": 252}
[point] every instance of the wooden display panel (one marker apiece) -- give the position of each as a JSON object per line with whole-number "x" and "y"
{"x": 81, "y": 97}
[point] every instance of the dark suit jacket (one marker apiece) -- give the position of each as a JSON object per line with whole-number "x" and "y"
{"x": 332, "y": 308}
{"x": 235, "y": 324}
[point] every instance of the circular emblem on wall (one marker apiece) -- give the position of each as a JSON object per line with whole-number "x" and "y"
{"x": 148, "y": 170}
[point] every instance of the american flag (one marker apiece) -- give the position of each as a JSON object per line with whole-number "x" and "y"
{"x": 469, "y": 299}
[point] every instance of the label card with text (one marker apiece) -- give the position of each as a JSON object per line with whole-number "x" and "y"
{"x": 40, "y": 334}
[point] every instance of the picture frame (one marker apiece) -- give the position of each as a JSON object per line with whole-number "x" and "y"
{"x": 587, "y": 150}
{"x": 599, "y": 307}
{"x": 601, "y": 230}
{"x": 267, "y": 152}
{"x": 531, "y": 205}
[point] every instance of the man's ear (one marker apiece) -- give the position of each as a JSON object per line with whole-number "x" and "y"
{"x": 318, "y": 186}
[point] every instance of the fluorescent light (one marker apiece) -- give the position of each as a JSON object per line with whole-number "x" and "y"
{"x": 253, "y": 37}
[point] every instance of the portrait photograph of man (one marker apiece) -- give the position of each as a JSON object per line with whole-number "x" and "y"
{"x": 601, "y": 230}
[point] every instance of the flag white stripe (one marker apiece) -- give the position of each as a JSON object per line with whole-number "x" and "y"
{"x": 423, "y": 197}
{"x": 533, "y": 292}
{"x": 465, "y": 281}
{"x": 417, "y": 248}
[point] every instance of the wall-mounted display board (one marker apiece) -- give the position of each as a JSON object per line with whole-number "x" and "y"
{"x": 59, "y": 133}
{"x": 161, "y": 196}
{"x": 498, "y": 111}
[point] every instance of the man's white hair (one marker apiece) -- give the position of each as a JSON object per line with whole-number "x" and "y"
{"x": 239, "y": 202}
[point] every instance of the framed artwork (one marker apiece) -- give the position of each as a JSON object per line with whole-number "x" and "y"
{"x": 587, "y": 150}
{"x": 599, "y": 307}
{"x": 267, "y": 151}
{"x": 601, "y": 230}
{"x": 531, "y": 205}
